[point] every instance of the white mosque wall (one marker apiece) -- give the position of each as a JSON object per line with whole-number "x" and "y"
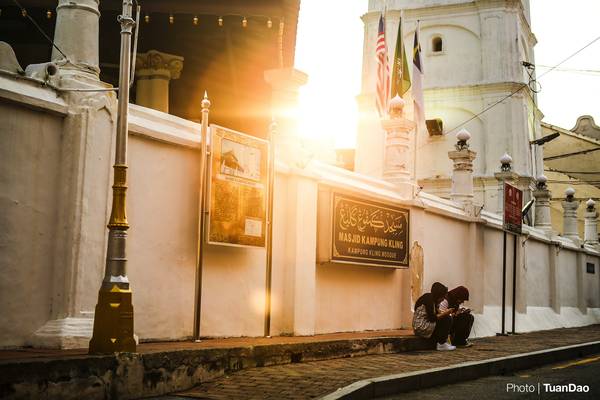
{"x": 29, "y": 187}
{"x": 309, "y": 297}
{"x": 538, "y": 277}
{"x": 358, "y": 298}
{"x": 162, "y": 209}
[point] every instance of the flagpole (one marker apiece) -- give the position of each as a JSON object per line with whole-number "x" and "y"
{"x": 202, "y": 206}
{"x": 269, "y": 244}
{"x": 401, "y": 38}
{"x": 421, "y": 118}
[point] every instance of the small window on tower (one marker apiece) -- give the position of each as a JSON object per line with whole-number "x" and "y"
{"x": 437, "y": 45}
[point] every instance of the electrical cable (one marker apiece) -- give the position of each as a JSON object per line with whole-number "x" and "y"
{"x": 593, "y": 183}
{"x": 573, "y": 70}
{"x": 573, "y": 172}
{"x": 523, "y": 85}
{"x": 112, "y": 89}
{"x": 40, "y": 29}
{"x": 571, "y": 154}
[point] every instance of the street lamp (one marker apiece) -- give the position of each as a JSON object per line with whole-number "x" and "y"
{"x": 113, "y": 319}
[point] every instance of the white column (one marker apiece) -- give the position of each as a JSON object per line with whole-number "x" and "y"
{"x": 154, "y": 72}
{"x": 570, "y": 206}
{"x": 398, "y": 153}
{"x": 475, "y": 272}
{"x": 590, "y": 236}
{"x": 507, "y": 175}
{"x": 370, "y": 138}
{"x": 300, "y": 255}
{"x": 285, "y": 84}
{"x": 85, "y": 171}
{"x": 581, "y": 278}
{"x": 462, "y": 171}
{"x": 76, "y": 34}
{"x": 542, "y": 205}
{"x": 555, "y": 298}
{"x": 83, "y": 209}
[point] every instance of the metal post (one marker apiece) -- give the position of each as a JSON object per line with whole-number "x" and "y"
{"x": 201, "y": 214}
{"x": 113, "y": 319}
{"x": 503, "y": 333}
{"x": 514, "y": 283}
{"x": 269, "y": 267}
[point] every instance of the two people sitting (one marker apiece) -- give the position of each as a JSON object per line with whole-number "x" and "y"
{"x": 438, "y": 315}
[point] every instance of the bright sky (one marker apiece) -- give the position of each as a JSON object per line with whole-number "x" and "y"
{"x": 330, "y": 45}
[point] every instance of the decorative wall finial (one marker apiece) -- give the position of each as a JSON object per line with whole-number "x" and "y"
{"x": 569, "y": 193}
{"x": 462, "y": 138}
{"x": 506, "y": 163}
{"x": 205, "y": 104}
{"x": 590, "y": 204}
{"x": 541, "y": 182}
{"x": 396, "y": 107}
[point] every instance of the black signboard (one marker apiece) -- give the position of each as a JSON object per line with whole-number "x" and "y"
{"x": 367, "y": 232}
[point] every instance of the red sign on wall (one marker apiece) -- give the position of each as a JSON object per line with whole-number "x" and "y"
{"x": 513, "y": 206}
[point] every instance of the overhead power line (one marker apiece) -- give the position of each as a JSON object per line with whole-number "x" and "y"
{"x": 573, "y": 172}
{"x": 575, "y": 70}
{"x": 523, "y": 86}
{"x": 571, "y": 154}
{"x": 40, "y": 29}
{"x": 592, "y": 183}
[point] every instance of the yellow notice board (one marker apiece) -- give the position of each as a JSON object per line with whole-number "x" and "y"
{"x": 238, "y": 188}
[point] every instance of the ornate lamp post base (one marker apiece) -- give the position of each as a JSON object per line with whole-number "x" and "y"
{"x": 114, "y": 305}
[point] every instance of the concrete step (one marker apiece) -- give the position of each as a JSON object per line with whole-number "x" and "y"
{"x": 170, "y": 367}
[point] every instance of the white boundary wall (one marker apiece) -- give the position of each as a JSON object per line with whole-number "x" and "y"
{"x": 553, "y": 288}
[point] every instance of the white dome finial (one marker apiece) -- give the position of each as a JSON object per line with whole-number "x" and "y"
{"x": 505, "y": 163}
{"x": 463, "y": 135}
{"x": 542, "y": 179}
{"x": 506, "y": 159}
{"x": 396, "y": 106}
{"x": 590, "y": 203}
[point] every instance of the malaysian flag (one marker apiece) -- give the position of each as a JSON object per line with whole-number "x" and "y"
{"x": 383, "y": 71}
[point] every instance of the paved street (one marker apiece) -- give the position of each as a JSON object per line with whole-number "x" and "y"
{"x": 315, "y": 379}
{"x": 585, "y": 371}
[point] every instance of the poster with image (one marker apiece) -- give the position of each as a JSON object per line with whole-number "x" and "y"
{"x": 237, "y": 188}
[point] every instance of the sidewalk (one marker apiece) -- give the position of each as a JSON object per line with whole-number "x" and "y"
{"x": 160, "y": 368}
{"x": 316, "y": 379}
{"x": 246, "y": 368}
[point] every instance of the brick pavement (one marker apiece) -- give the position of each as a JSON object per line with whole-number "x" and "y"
{"x": 315, "y": 379}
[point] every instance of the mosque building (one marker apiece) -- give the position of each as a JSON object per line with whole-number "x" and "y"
{"x": 234, "y": 230}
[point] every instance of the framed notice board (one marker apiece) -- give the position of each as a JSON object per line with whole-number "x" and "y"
{"x": 237, "y": 188}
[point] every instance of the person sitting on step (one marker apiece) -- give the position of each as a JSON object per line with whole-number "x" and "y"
{"x": 462, "y": 319}
{"x": 431, "y": 323}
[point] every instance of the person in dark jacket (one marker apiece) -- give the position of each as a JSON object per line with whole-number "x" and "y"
{"x": 429, "y": 321}
{"x": 462, "y": 319}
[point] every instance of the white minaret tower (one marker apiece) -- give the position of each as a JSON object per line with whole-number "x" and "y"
{"x": 473, "y": 54}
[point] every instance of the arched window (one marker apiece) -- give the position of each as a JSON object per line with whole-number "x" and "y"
{"x": 437, "y": 45}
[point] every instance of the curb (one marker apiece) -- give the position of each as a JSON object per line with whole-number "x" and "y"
{"x": 400, "y": 383}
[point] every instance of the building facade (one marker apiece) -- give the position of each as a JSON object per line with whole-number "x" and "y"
{"x": 57, "y": 144}
{"x": 473, "y": 54}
